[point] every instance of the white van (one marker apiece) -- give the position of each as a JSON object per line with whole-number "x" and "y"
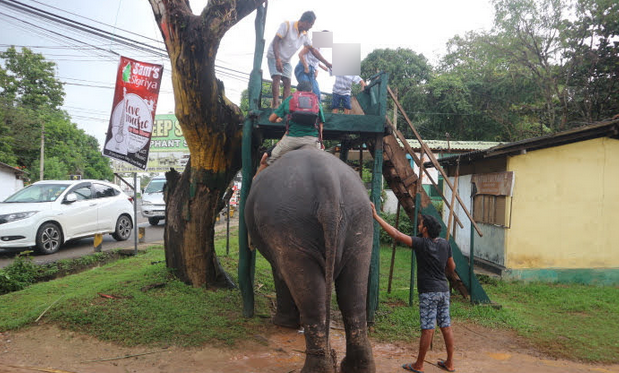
{"x": 153, "y": 204}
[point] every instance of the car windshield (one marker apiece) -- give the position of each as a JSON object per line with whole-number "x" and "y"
{"x": 38, "y": 193}
{"x": 155, "y": 186}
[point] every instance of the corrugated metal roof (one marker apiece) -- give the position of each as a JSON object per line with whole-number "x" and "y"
{"x": 601, "y": 129}
{"x": 453, "y": 146}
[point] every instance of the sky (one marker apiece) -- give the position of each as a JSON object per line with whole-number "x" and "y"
{"x": 88, "y": 65}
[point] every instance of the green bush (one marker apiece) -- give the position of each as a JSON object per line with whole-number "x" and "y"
{"x": 23, "y": 272}
{"x": 20, "y": 274}
{"x": 438, "y": 205}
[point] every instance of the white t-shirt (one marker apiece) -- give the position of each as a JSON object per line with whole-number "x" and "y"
{"x": 291, "y": 41}
{"x": 312, "y": 60}
{"x": 343, "y": 84}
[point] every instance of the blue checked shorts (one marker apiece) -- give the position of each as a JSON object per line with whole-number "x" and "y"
{"x": 434, "y": 307}
{"x": 340, "y": 101}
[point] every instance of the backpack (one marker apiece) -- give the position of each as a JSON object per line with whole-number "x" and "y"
{"x": 304, "y": 108}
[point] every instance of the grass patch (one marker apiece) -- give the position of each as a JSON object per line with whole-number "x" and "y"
{"x": 576, "y": 322}
{"x": 151, "y": 307}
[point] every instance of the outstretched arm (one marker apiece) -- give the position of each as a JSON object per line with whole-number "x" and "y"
{"x": 319, "y": 56}
{"x": 391, "y": 231}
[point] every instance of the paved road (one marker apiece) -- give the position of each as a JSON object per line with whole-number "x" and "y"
{"x": 85, "y": 246}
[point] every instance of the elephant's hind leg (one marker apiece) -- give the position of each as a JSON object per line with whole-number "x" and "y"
{"x": 307, "y": 286}
{"x": 287, "y": 313}
{"x": 351, "y": 290}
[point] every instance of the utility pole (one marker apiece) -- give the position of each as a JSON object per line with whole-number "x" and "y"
{"x": 42, "y": 167}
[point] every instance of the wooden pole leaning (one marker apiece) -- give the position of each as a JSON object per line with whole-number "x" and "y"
{"x": 434, "y": 161}
{"x": 453, "y": 197}
{"x": 395, "y": 243}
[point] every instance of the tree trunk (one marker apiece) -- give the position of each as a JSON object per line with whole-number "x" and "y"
{"x": 211, "y": 127}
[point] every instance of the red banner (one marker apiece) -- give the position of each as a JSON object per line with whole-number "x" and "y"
{"x": 133, "y": 111}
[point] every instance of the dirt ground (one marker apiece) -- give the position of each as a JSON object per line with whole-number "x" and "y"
{"x": 49, "y": 349}
{"x": 46, "y": 348}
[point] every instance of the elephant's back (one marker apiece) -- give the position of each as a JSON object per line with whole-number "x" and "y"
{"x": 301, "y": 181}
{"x": 302, "y": 175}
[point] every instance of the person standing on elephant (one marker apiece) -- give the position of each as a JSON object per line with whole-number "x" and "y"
{"x": 297, "y": 135}
{"x": 290, "y": 36}
{"x": 434, "y": 260}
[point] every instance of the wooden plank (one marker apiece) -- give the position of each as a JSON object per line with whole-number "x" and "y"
{"x": 355, "y": 107}
{"x": 418, "y": 161}
{"x": 403, "y": 169}
{"x": 453, "y": 197}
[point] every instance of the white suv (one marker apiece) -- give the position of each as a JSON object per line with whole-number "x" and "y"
{"x": 48, "y": 213}
{"x": 153, "y": 205}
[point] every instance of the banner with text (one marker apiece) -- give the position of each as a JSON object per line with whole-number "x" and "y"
{"x": 133, "y": 112}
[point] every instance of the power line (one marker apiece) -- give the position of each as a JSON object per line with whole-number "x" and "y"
{"x": 101, "y": 23}
{"x": 99, "y": 33}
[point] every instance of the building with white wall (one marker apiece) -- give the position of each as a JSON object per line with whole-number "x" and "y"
{"x": 11, "y": 180}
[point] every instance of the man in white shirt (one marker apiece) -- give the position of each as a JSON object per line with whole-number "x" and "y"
{"x": 289, "y": 38}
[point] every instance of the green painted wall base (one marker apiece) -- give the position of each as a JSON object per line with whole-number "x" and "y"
{"x": 598, "y": 276}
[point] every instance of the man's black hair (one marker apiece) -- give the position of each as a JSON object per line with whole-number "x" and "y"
{"x": 304, "y": 86}
{"x": 433, "y": 225}
{"x": 308, "y": 16}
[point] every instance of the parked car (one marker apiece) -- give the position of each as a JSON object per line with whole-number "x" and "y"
{"x": 153, "y": 205}
{"x": 48, "y": 213}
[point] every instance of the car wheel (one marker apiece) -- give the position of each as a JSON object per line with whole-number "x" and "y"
{"x": 153, "y": 221}
{"x": 123, "y": 228}
{"x": 49, "y": 238}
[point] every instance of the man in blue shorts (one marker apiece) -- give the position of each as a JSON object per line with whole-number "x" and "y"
{"x": 434, "y": 260}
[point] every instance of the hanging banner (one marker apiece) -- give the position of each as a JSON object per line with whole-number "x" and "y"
{"x": 133, "y": 112}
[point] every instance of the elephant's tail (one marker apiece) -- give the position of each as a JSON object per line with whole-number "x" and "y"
{"x": 331, "y": 224}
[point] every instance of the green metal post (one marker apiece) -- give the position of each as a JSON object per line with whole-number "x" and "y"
{"x": 377, "y": 184}
{"x": 247, "y": 257}
{"x": 472, "y": 264}
{"x": 344, "y": 148}
{"x": 413, "y": 261}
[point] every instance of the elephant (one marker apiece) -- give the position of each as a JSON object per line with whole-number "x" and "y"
{"x": 310, "y": 216}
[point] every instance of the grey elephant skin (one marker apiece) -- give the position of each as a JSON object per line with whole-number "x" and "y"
{"x": 310, "y": 217}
